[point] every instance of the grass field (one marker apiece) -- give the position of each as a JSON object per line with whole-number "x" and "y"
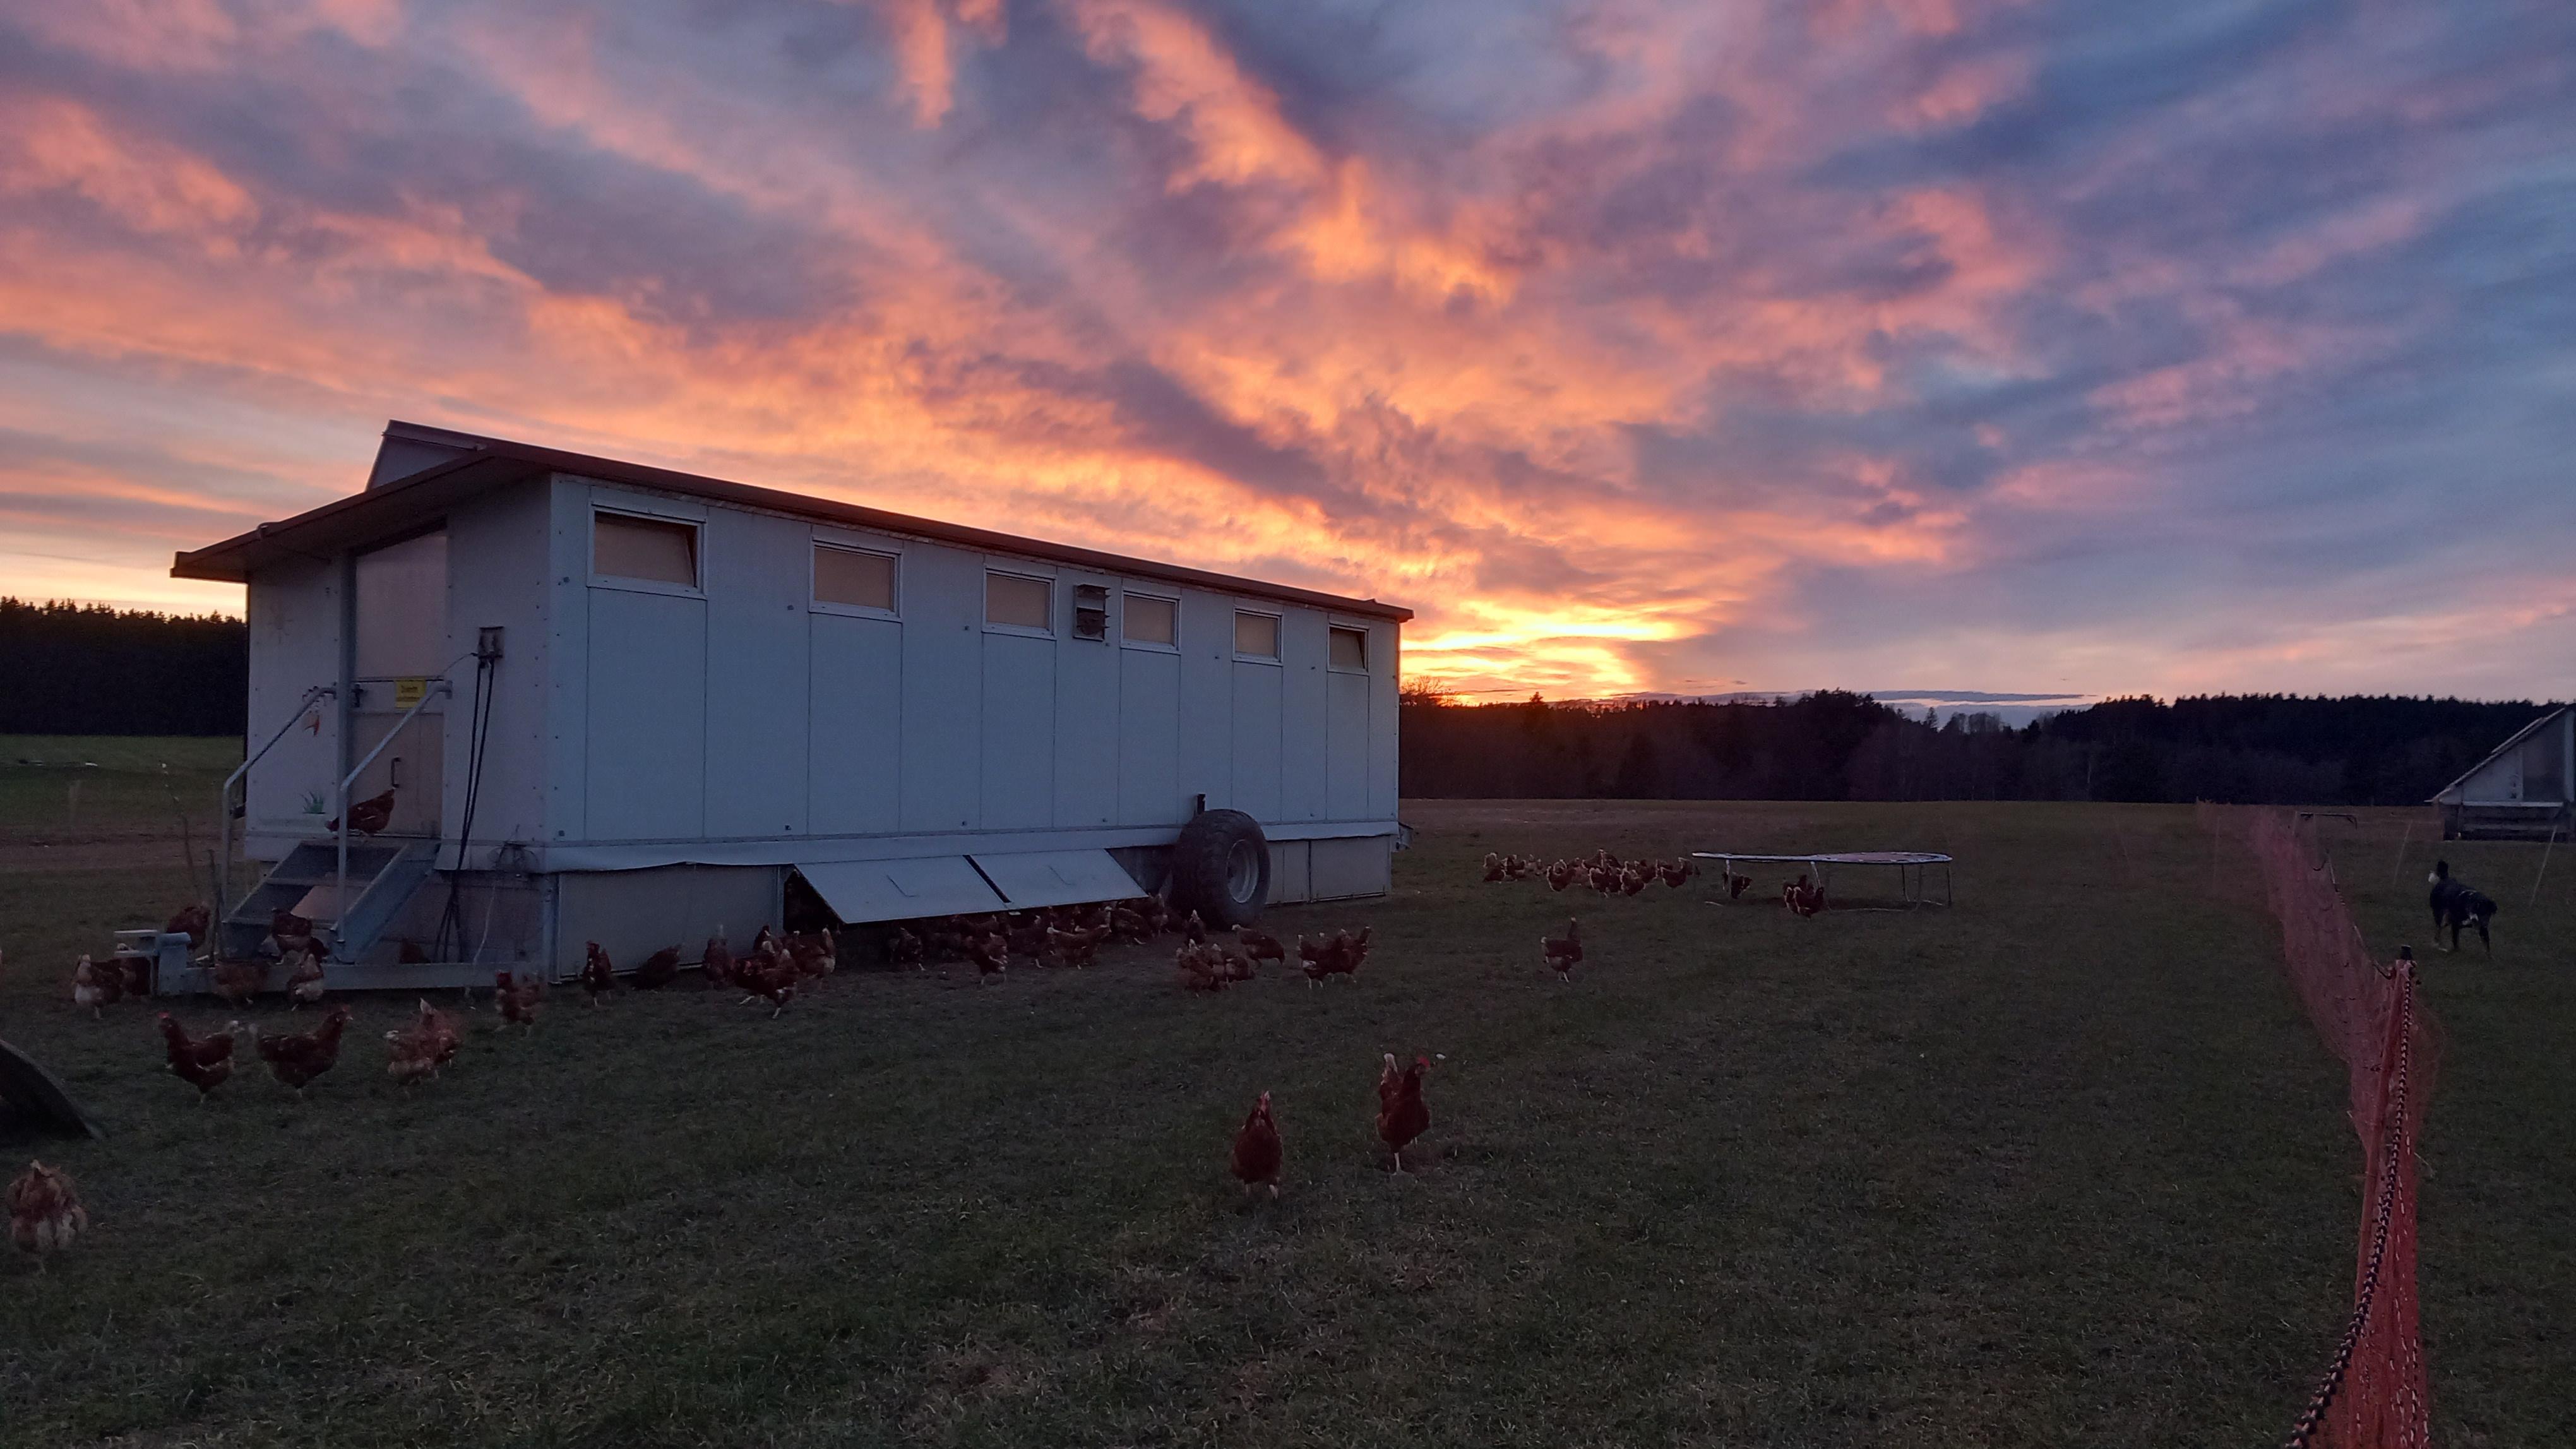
{"x": 2061, "y": 1166}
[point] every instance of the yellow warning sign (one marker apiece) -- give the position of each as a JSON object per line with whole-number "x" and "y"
{"x": 408, "y": 692}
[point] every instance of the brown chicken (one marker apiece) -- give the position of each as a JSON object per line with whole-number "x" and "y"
{"x": 298, "y": 1059}
{"x": 1676, "y": 873}
{"x": 904, "y": 948}
{"x": 204, "y": 1063}
{"x": 659, "y": 969}
{"x": 1401, "y": 1115}
{"x": 239, "y": 982}
{"x": 1737, "y": 885}
{"x": 767, "y": 976}
{"x": 818, "y": 954}
{"x": 193, "y": 922}
{"x": 1080, "y": 947}
{"x": 1493, "y": 867}
{"x": 518, "y": 997}
{"x": 1200, "y": 969}
{"x": 291, "y": 932}
{"x": 717, "y": 960}
{"x": 1194, "y": 930}
{"x": 1337, "y": 955}
{"x": 1563, "y": 953}
{"x": 991, "y": 954}
{"x": 598, "y": 973}
{"x": 1260, "y": 947}
{"x": 367, "y": 816}
{"x": 441, "y": 1031}
{"x": 1561, "y": 874}
{"x": 1802, "y": 898}
{"x": 45, "y": 1212}
{"x": 304, "y": 983}
{"x": 95, "y": 986}
{"x": 1256, "y": 1150}
{"x": 410, "y": 1056}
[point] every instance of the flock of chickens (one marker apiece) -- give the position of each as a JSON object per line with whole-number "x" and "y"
{"x": 44, "y": 1206}
{"x": 1611, "y": 876}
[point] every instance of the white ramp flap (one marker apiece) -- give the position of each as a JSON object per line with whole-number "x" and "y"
{"x": 859, "y": 891}
{"x": 1034, "y": 878}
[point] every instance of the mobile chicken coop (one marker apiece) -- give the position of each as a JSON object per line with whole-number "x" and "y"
{"x": 619, "y": 704}
{"x": 2520, "y": 792}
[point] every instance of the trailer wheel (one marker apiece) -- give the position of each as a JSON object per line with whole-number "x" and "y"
{"x": 1221, "y": 869}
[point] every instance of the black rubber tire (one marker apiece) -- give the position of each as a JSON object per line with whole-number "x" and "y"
{"x": 1211, "y": 873}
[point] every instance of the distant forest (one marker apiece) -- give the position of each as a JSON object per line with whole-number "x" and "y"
{"x": 80, "y": 669}
{"x": 2238, "y": 749}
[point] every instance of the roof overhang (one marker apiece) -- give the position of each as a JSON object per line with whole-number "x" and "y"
{"x": 390, "y": 508}
{"x": 2443, "y": 795}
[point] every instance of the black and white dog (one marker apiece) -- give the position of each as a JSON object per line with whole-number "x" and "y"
{"x": 2456, "y": 905}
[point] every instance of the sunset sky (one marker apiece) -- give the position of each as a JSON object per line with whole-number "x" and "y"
{"x": 1691, "y": 347}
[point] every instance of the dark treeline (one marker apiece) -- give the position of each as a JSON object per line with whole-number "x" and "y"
{"x": 79, "y": 669}
{"x": 2242, "y": 749}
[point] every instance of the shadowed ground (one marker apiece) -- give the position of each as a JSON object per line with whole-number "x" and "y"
{"x": 2061, "y": 1166}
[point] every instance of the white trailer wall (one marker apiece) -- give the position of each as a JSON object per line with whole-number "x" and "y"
{"x": 743, "y": 710}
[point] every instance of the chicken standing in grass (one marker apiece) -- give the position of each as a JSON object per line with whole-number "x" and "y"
{"x": 1401, "y": 1115}
{"x": 1078, "y": 947}
{"x": 442, "y": 1033}
{"x": 904, "y": 948}
{"x": 1261, "y": 947}
{"x": 1563, "y": 953}
{"x": 717, "y": 959}
{"x": 1257, "y": 1152}
{"x": 95, "y": 987}
{"x": 598, "y": 973}
{"x": 518, "y": 997}
{"x": 659, "y": 969}
{"x": 767, "y": 976}
{"x": 204, "y": 1063}
{"x": 45, "y": 1212}
{"x": 1802, "y": 898}
{"x": 410, "y": 1056}
{"x": 991, "y": 954}
{"x": 300, "y": 1058}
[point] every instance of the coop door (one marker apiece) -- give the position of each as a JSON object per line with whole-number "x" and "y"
{"x": 400, "y": 607}
{"x": 409, "y": 767}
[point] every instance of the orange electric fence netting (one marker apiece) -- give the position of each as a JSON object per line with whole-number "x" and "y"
{"x": 2372, "y": 1394}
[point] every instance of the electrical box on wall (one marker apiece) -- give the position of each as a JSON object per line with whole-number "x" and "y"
{"x": 1090, "y": 611}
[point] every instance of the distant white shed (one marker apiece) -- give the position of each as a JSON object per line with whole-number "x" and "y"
{"x": 623, "y": 704}
{"x": 2520, "y": 791}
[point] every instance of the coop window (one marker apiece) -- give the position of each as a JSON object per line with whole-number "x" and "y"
{"x": 1256, "y": 636}
{"x": 1018, "y": 602}
{"x": 658, "y": 551}
{"x": 853, "y": 577}
{"x": 1349, "y": 649}
{"x": 1151, "y": 620}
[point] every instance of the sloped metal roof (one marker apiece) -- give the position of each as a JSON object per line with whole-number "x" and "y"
{"x": 2497, "y": 753}
{"x": 389, "y": 506}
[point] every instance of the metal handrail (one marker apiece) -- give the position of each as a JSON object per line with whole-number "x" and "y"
{"x": 224, "y": 798}
{"x": 340, "y": 883}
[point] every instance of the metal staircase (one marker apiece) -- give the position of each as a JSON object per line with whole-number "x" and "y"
{"x": 382, "y": 877}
